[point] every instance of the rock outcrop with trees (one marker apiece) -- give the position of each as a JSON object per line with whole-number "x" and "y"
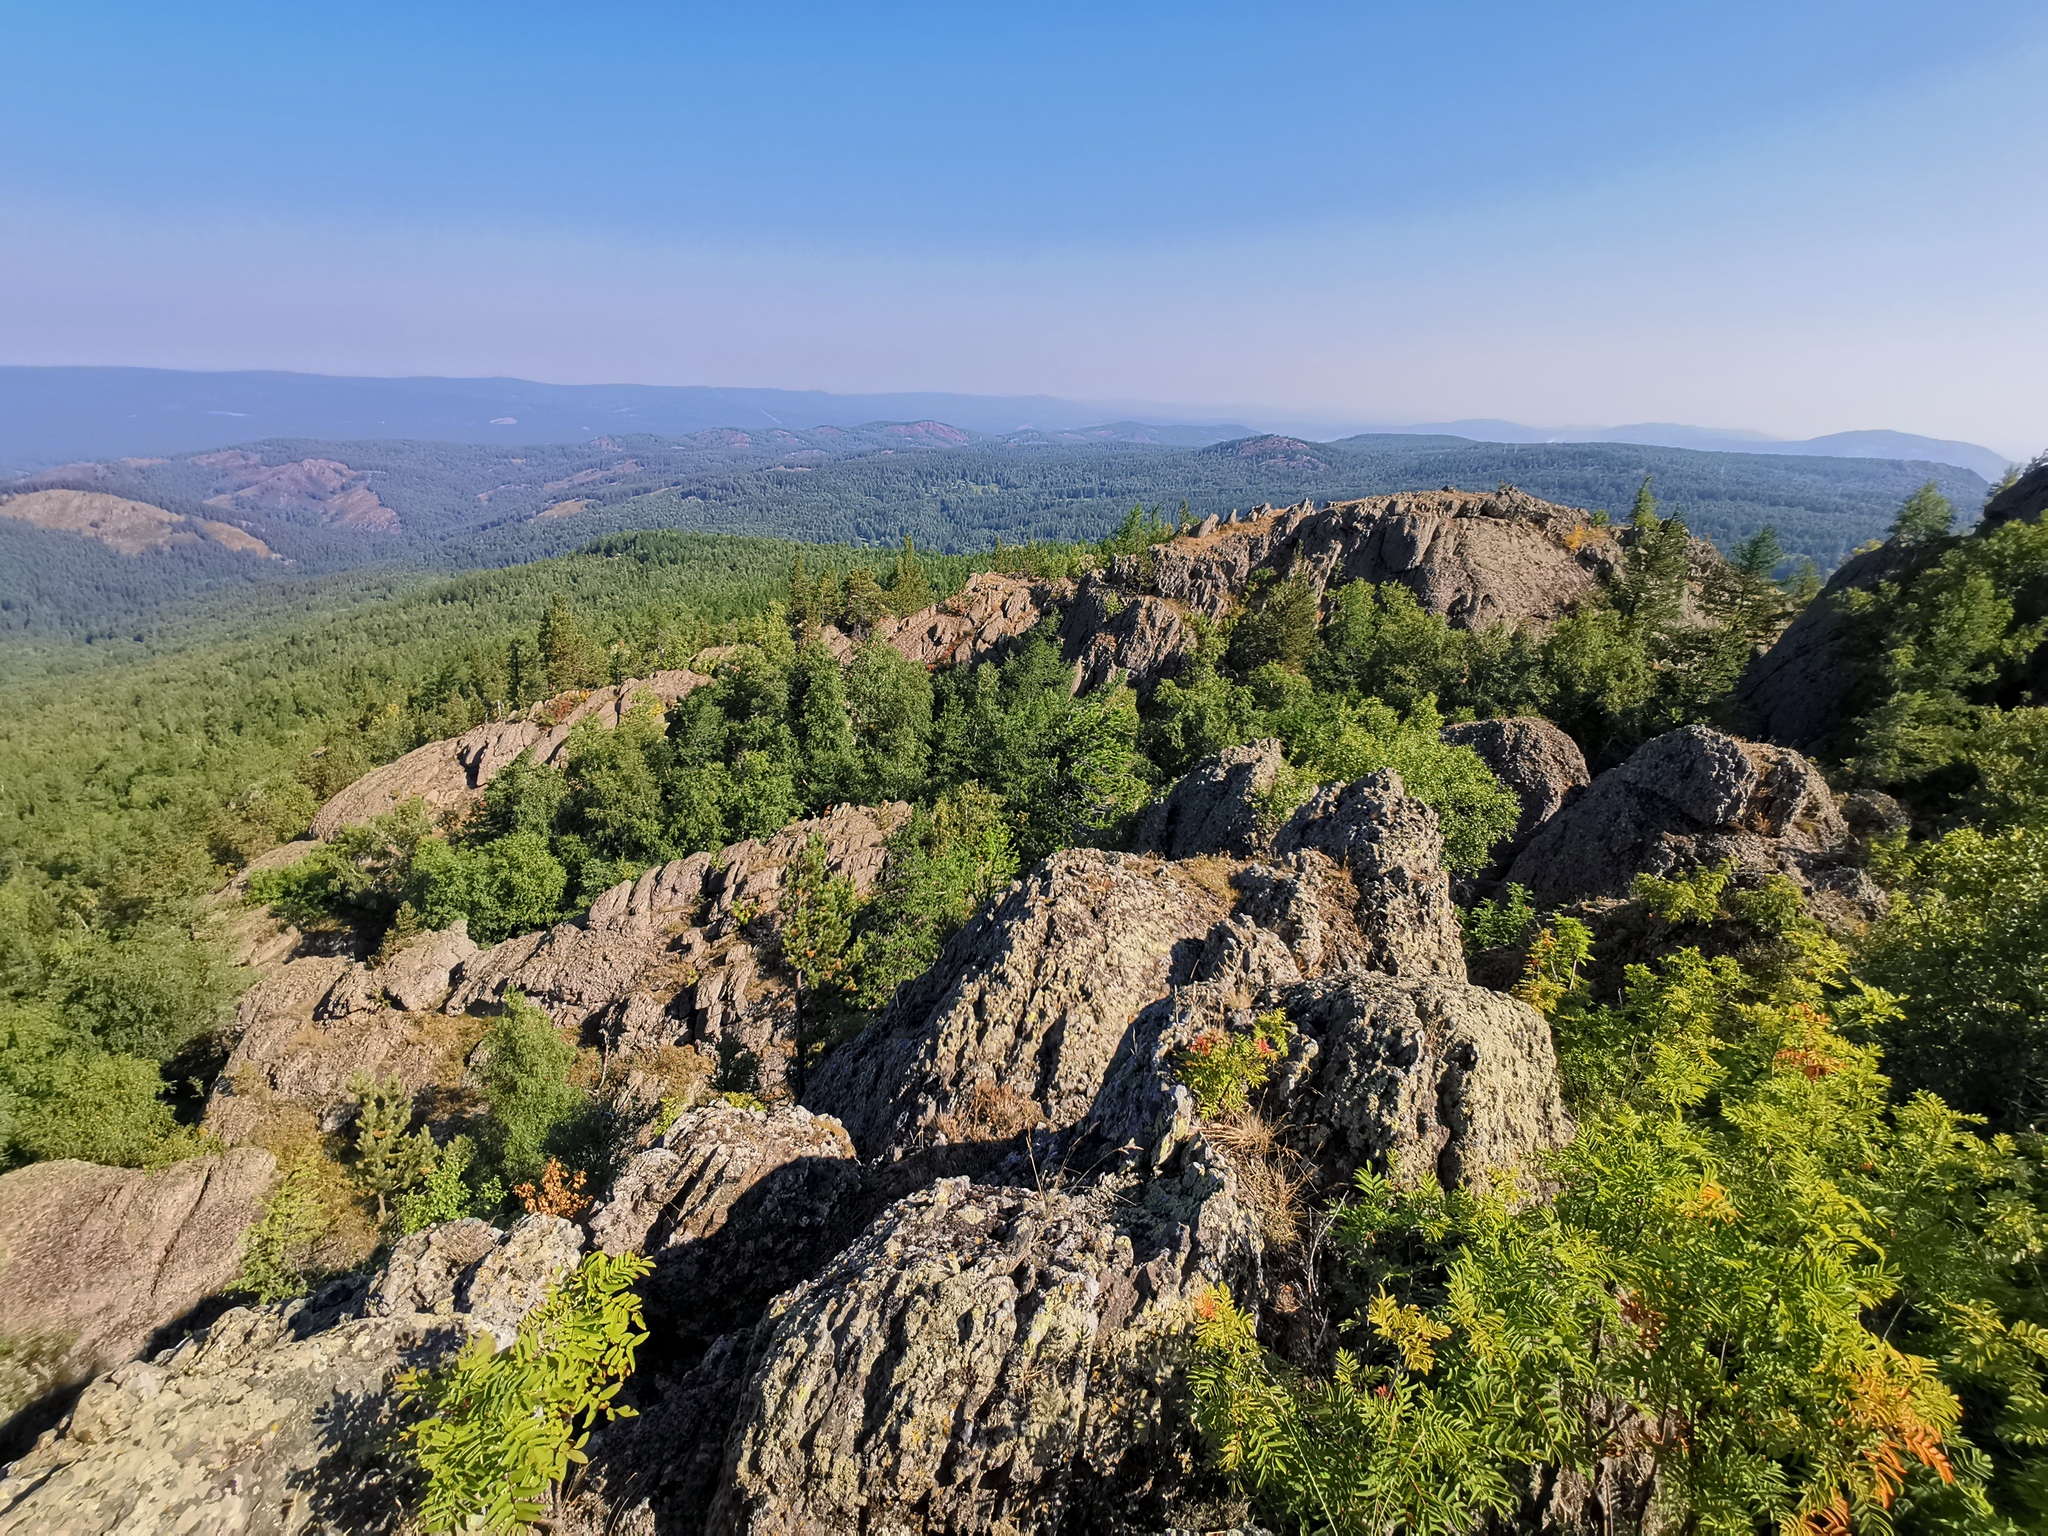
{"x": 1319, "y": 1020}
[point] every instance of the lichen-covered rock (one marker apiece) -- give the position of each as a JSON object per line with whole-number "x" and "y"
{"x": 1027, "y": 1003}
{"x": 1686, "y": 799}
{"x": 1108, "y": 633}
{"x": 278, "y": 1421}
{"x": 1422, "y": 1076}
{"x": 428, "y": 1267}
{"x": 1215, "y": 806}
{"x": 981, "y": 1359}
{"x": 1536, "y": 761}
{"x": 673, "y": 929}
{"x": 976, "y": 624}
{"x": 1391, "y": 845}
{"x": 95, "y": 1261}
{"x": 733, "y": 1206}
{"x": 253, "y": 1430}
{"x": 511, "y": 1279}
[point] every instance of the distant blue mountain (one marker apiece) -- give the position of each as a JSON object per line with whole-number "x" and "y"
{"x": 1909, "y": 446}
{"x": 52, "y": 416}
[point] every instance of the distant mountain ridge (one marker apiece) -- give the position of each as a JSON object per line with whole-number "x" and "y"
{"x": 51, "y": 416}
{"x": 1974, "y": 457}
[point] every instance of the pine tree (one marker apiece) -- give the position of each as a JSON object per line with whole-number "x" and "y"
{"x": 566, "y": 654}
{"x": 909, "y": 589}
{"x": 387, "y": 1159}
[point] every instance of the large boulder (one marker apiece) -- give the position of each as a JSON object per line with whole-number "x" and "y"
{"x": 1422, "y": 1077}
{"x": 1392, "y": 846}
{"x": 1214, "y": 808}
{"x": 981, "y": 1359}
{"x": 1538, "y": 763}
{"x": 1016, "y": 1022}
{"x": 733, "y": 1205}
{"x": 96, "y": 1262}
{"x": 1689, "y": 798}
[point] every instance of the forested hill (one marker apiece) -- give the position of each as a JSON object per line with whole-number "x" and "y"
{"x": 282, "y": 510}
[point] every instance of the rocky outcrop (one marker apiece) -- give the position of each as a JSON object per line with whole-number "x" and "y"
{"x": 733, "y": 1205}
{"x": 978, "y": 623}
{"x": 1214, "y": 808}
{"x": 449, "y": 775}
{"x": 1422, "y": 1077}
{"x": 1390, "y": 845}
{"x": 94, "y": 1262}
{"x": 1019, "y": 1018}
{"x": 1533, "y": 759}
{"x": 1474, "y": 559}
{"x": 1689, "y": 798}
{"x": 672, "y": 958}
{"x": 2022, "y": 501}
{"x": 981, "y": 1359}
{"x": 1111, "y": 631}
{"x": 1806, "y": 690}
{"x": 278, "y": 1421}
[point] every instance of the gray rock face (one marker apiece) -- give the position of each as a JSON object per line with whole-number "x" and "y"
{"x": 977, "y": 623}
{"x": 419, "y": 976}
{"x": 93, "y": 1261}
{"x": 276, "y": 1421}
{"x": 1108, "y": 632}
{"x": 428, "y": 1267}
{"x": 981, "y": 1359}
{"x": 1689, "y": 798}
{"x": 661, "y": 957}
{"x": 1393, "y": 850}
{"x": 733, "y": 1206}
{"x": 1024, "y": 1009}
{"x": 1214, "y": 808}
{"x": 1539, "y": 763}
{"x": 513, "y": 1278}
{"x": 1423, "y": 1077}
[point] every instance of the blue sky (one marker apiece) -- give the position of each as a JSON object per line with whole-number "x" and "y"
{"x": 1795, "y": 217}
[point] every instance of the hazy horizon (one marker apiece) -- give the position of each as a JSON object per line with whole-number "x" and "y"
{"x": 1790, "y": 223}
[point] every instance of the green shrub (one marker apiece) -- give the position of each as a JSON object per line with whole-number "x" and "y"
{"x": 443, "y": 1193}
{"x": 1966, "y": 946}
{"x": 534, "y": 1108}
{"x": 503, "y": 1427}
{"x": 63, "y": 1098}
{"x": 1223, "y": 1068}
{"x": 277, "y": 1250}
{"x": 1495, "y": 924}
{"x": 1745, "y": 1243}
{"x": 1689, "y": 898}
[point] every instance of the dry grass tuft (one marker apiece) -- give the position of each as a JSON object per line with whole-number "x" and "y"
{"x": 990, "y": 1111}
{"x": 1271, "y": 1176}
{"x": 1212, "y": 874}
